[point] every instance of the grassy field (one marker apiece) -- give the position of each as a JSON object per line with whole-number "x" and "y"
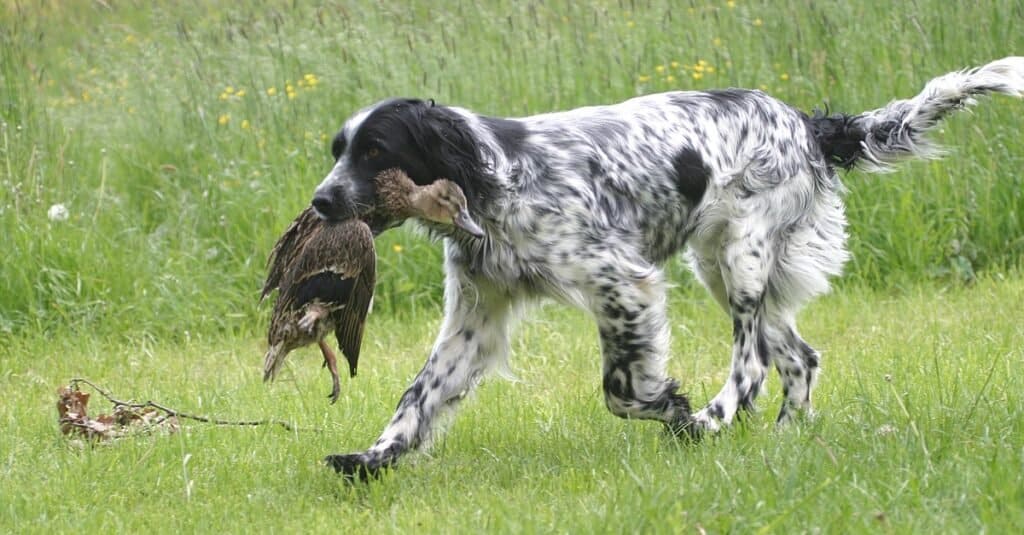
{"x": 920, "y": 429}
{"x": 182, "y": 138}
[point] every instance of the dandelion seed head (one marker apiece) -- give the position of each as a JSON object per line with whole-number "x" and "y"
{"x": 57, "y": 212}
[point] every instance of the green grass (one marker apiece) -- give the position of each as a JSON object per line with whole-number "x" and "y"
{"x": 177, "y": 187}
{"x": 920, "y": 429}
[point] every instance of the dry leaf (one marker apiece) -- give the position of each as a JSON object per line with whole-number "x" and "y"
{"x": 74, "y": 419}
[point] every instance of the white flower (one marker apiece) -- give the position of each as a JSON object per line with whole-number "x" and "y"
{"x": 57, "y": 212}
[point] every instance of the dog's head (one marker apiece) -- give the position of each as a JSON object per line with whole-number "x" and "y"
{"x": 425, "y": 141}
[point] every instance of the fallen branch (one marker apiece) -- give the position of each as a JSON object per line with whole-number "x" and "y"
{"x": 72, "y": 413}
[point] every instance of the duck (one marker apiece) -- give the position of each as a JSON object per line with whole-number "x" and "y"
{"x": 325, "y": 271}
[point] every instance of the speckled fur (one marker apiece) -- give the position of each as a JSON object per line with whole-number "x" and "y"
{"x": 585, "y": 205}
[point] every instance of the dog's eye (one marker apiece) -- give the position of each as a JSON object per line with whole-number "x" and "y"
{"x": 373, "y": 152}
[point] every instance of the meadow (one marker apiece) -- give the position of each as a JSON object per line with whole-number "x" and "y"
{"x": 151, "y": 154}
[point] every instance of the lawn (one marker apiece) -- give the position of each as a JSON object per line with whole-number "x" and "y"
{"x": 920, "y": 428}
{"x": 180, "y": 138}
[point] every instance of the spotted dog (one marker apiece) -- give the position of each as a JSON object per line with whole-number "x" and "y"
{"x": 586, "y": 205}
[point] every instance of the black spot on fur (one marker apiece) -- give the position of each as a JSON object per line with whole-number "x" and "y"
{"x": 510, "y": 134}
{"x": 762, "y": 348}
{"x": 840, "y": 135}
{"x": 692, "y": 174}
{"x": 338, "y": 145}
{"x": 729, "y": 97}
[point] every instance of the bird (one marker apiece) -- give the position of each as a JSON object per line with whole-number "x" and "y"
{"x": 325, "y": 271}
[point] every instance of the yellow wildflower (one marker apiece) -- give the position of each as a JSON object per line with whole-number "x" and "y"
{"x": 758, "y": 22}
{"x": 697, "y": 75}
{"x": 670, "y": 78}
{"x": 731, "y": 4}
{"x": 240, "y": 93}
{"x": 245, "y": 124}
{"x": 396, "y": 248}
{"x": 271, "y": 91}
{"x": 630, "y": 24}
{"x": 674, "y": 64}
{"x": 229, "y": 90}
{"x": 643, "y": 78}
{"x": 659, "y": 69}
{"x": 223, "y": 119}
{"x": 717, "y": 41}
{"x": 784, "y": 76}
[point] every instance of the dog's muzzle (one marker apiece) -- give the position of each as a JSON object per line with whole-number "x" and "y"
{"x": 341, "y": 197}
{"x": 331, "y": 204}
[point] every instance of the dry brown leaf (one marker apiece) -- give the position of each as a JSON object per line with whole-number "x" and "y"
{"x": 74, "y": 420}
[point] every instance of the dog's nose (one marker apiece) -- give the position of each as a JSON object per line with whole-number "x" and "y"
{"x": 324, "y": 205}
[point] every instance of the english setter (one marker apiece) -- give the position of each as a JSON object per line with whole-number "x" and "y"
{"x": 585, "y": 205}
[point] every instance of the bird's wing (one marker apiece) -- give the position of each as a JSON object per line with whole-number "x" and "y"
{"x": 352, "y": 318}
{"x": 288, "y": 248}
{"x": 340, "y": 249}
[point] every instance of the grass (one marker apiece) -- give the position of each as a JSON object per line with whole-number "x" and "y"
{"x": 182, "y": 139}
{"x": 920, "y": 429}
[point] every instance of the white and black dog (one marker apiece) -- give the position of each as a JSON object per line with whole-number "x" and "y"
{"x": 585, "y": 205}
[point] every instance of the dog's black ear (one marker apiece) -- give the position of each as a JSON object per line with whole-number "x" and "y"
{"x": 451, "y": 149}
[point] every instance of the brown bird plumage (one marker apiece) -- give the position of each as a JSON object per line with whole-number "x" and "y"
{"x": 325, "y": 271}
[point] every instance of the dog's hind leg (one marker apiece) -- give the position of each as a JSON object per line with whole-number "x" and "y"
{"x": 797, "y": 363}
{"x": 473, "y": 341}
{"x": 629, "y": 305}
{"x": 808, "y": 255}
{"x": 746, "y": 261}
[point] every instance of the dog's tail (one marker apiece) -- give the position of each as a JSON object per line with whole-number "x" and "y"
{"x": 876, "y": 140}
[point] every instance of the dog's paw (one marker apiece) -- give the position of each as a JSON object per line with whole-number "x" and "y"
{"x": 685, "y": 427}
{"x": 361, "y": 466}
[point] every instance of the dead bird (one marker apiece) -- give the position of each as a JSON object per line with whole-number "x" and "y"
{"x": 325, "y": 271}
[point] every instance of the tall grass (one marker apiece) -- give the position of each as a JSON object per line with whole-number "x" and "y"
{"x": 172, "y": 136}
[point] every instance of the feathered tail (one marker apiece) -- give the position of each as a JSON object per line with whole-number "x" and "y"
{"x": 877, "y": 140}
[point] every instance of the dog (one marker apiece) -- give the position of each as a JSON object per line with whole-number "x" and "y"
{"x": 586, "y": 205}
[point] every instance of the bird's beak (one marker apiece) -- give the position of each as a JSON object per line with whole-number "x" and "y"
{"x": 465, "y": 222}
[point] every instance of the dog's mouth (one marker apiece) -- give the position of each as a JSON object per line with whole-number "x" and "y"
{"x": 378, "y": 222}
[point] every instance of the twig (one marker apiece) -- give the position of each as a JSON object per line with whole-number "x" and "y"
{"x": 172, "y": 412}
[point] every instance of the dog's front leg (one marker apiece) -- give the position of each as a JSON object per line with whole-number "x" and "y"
{"x": 473, "y": 339}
